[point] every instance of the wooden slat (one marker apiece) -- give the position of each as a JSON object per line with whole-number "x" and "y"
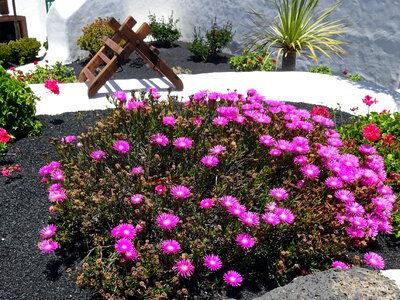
{"x": 89, "y": 75}
{"x": 113, "y": 46}
{"x": 103, "y": 76}
{"x": 104, "y": 57}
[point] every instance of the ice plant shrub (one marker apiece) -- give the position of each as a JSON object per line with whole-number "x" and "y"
{"x": 164, "y": 32}
{"x": 18, "y": 107}
{"x": 321, "y": 69}
{"x": 196, "y": 221}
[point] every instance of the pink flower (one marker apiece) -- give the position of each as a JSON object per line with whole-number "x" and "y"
{"x": 210, "y": 161}
{"x": 69, "y": 139}
{"x": 371, "y": 132}
{"x": 125, "y": 231}
{"x": 366, "y": 149}
{"x": 300, "y": 160}
{"x": 220, "y": 121}
{"x": 160, "y": 189}
{"x": 310, "y": 171}
{"x": 120, "y": 95}
{"x": 345, "y": 196}
{"x": 285, "y": 215}
{"x": 275, "y": 152}
{"x": 206, "y": 203}
{"x": 57, "y": 175}
{"x": 131, "y": 254}
{"x": 368, "y": 100}
{"x": 271, "y": 218}
{"x": 374, "y": 260}
{"x": 57, "y": 195}
{"x": 123, "y": 246}
{"x": 271, "y": 206}
{"x": 183, "y": 143}
{"x": 48, "y": 246}
{"x": 244, "y": 240}
{"x": 48, "y": 231}
{"x": 249, "y": 218}
{"x": 170, "y": 246}
{"x": 121, "y": 146}
{"x": 267, "y": 140}
{"x": 167, "y": 221}
{"x": 197, "y": 121}
{"x": 159, "y": 139}
{"x": 212, "y": 262}
{"x": 236, "y": 209}
{"x": 169, "y": 121}
{"x": 137, "y": 170}
{"x": 279, "y": 193}
{"x": 184, "y": 267}
{"x": 217, "y": 150}
{"x": 52, "y": 86}
{"x": 137, "y": 198}
{"x": 233, "y": 278}
{"x": 340, "y": 265}
{"x": 354, "y": 208}
{"x": 334, "y": 183}
{"x": 180, "y": 192}
{"x": 98, "y": 155}
{"x": 228, "y": 201}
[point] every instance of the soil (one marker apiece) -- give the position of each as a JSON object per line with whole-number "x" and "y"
{"x": 25, "y": 273}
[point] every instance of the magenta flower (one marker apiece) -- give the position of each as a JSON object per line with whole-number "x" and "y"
{"x": 137, "y": 198}
{"x": 228, "y": 201}
{"x": 285, "y": 215}
{"x": 233, "y": 278}
{"x": 217, "y": 150}
{"x": 283, "y": 145}
{"x": 197, "y": 121}
{"x": 275, "y": 152}
{"x": 206, "y": 203}
{"x": 160, "y": 189}
{"x": 271, "y": 218}
{"x": 334, "y": 142}
{"x": 123, "y": 246}
{"x": 169, "y": 121}
{"x": 180, "y": 192}
{"x": 125, "y": 231}
{"x": 344, "y": 196}
{"x": 249, "y": 218}
{"x": 57, "y": 195}
{"x": 48, "y": 231}
{"x": 220, "y": 121}
{"x": 167, "y": 221}
{"x": 68, "y": 139}
{"x": 170, "y": 246}
{"x": 267, "y": 140}
{"x": 184, "y": 267}
{"x": 340, "y": 265}
{"x": 212, "y": 262}
{"x": 98, "y": 155}
{"x": 120, "y": 95}
{"x": 279, "y": 193}
{"x": 131, "y": 254}
{"x": 367, "y": 149}
{"x": 159, "y": 139}
{"x": 374, "y": 260}
{"x": 310, "y": 171}
{"x": 246, "y": 241}
{"x": 236, "y": 209}
{"x": 210, "y": 161}
{"x": 334, "y": 183}
{"x": 121, "y": 146}
{"x": 271, "y": 206}
{"x": 355, "y": 209}
{"x": 137, "y": 170}
{"x": 300, "y": 160}
{"x": 55, "y": 187}
{"x": 48, "y": 246}
{"x": 45, "y": 170}
{"x": 183, "y": 143}
{"x": 57, "y": 175}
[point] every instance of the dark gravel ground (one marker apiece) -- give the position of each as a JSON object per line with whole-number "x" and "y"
{"x": 25, "y": 273}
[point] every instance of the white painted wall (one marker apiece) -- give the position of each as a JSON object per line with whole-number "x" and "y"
{"x": 35, "y": 13}
{"x": 373, "y": 28}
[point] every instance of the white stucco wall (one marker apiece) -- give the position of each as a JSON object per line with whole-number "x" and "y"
{"x": 373, "y": 28}
{"x": 35, "y": 13}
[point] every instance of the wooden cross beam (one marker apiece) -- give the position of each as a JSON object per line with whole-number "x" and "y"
{"x": 133, "y": 43}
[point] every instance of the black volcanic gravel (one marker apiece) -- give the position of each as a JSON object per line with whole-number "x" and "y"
{"x": 27, "y": 274}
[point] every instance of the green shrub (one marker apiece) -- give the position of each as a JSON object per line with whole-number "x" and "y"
{"x": 18, "y": 107}
{"x": 321, "y": 70}
{"x": 253, "y": 61}
{"x": 164, "y": 32}
{"x": 5, "y": 54}
{"x": 215, "y": 164}
{"x": 92, "y": 35}
{"x": 387, "y": 145}
{"x": 24, "y": 50}
{"x": 57, "y": 72}
{"x": 215, "y": 39}
{"x": 354, "y": 77}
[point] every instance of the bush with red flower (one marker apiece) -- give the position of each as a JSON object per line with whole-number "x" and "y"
{"x": 172, "y": 206}
{"x": 258, "y": 60}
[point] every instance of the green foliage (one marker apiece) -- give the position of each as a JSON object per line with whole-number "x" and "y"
{"x": 99, "y": 196}
{"x": 5, "y": 54}
{"x": 165, "y": 33}
{"x": 18, "y": 107}
{"x": 321, "y": 69}
{"x": 298, "y": 28}
{"x": 24, "y": 50}
{"x": 387, "y": 147}
{"x": 354, "y": 77}
{"x": 92, "y": 35}
{"x": 253, "y": 61}
{"x": 57, "y": 72}
{"x": 210, "y": 45}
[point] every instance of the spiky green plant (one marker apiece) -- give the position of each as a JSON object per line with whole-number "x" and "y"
{"x": 298, "y": 29}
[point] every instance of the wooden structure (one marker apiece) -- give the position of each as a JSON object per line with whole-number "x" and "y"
{"x": 133, "y": 43}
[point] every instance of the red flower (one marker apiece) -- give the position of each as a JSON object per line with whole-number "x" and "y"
{"x": 52, "y": 86}
{"x": 388, "y": 139}
{"x": 259, "y": 59}
{"x": 354, "y": 108}
{"x": 35, "y": 62}
{"x": 317, "y": 110}
{"x": 345, "y": 72}
{"x": 4, "y": 136}
{"x": 249, "y": 62}
{"x": 273, "y": 60}
{"x": 368, "y": 100}
{"x": 371, "y": 132}
{"x": 12, "y": 69}
{"x": 385, "y": 111}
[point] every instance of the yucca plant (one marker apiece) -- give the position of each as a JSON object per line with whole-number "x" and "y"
{"x": 298, "y": 29}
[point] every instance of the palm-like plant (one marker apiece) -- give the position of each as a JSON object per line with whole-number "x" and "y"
{"x": 297, "y": 29}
